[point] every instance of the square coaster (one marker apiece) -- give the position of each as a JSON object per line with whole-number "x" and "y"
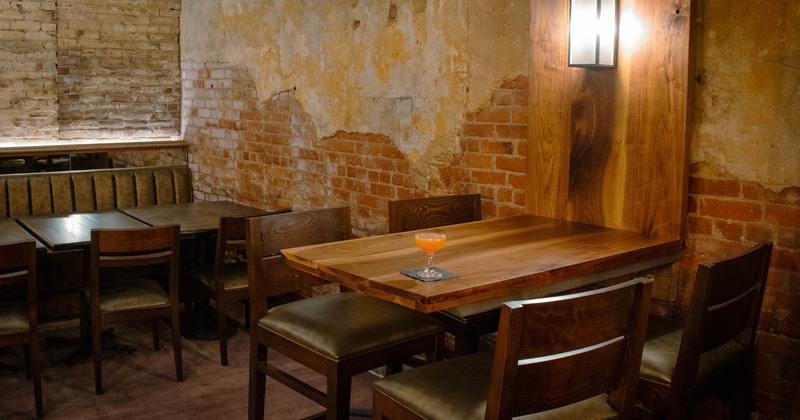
{"x": 413, "y": 274}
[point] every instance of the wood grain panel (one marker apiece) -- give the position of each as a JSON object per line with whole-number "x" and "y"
{"x": 610, "y": 146}
{"x": 549, "y": 106}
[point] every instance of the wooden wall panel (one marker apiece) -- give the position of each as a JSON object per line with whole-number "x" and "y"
{"x": 610, "y": 146}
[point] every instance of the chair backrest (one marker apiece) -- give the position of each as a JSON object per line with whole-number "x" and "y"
{"x": 555, "y": 351}
{"x": 231, "y": 238}
{"x": 431, "y": 212}
{"x": 138, "y": 247}
{"x": 268, "y": 275}
{"x": 724, "y": 309}
{"x": 18, "y": 266}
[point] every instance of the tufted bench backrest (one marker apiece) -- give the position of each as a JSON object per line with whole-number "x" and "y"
{"x": 93, "y": 190}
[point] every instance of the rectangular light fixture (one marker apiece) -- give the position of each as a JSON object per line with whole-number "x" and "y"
{"x": 593, "y": 33}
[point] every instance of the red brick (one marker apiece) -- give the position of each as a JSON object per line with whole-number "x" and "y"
{"x": 512, "y": 131}
{"x": 503, "y": 97}
{"x": 755, "y": 191}
{"x": 732, "y": 231}
{"x": 786, "y": 260}
{"x": 699, "y": 225}
{"x": 497, "y": 147}
{"x": 729, "y": 209}
{"x": 480, "y": 161}
{"x": 488, "y": 177}
{"x": 512, "y": 164}
{"x": 478, "y": 130}
{"x": 493, "y": 115}
{"x": 715, "y": 187}
{"x": 788, "y": 216}
{"x": 788, "y": 238}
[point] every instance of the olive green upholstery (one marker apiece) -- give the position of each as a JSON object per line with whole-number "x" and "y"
{"x": 345, "y": 325}
{"x": 43, "y": 193}
{"x": 93, "y": 190}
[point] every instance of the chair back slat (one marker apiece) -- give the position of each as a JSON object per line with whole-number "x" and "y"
{"x": 232, "y": 237}
{"x": 18, "y": 266}
{"x": 134, "y": 247}
{"x": 561, "y": 350}
{"x": 268, "y": 274}
{"x": 431, "y": 212}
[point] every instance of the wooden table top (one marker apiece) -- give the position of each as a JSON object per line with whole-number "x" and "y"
{"x": 195, "y": 217}
{"x": 492, "y": 259}
{"x": 73, "y": 231}
{"x": 11, "y": 231}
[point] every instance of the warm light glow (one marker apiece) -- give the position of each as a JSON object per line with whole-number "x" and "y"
{"x": 631, "y": 30}
{"x": 593, "y": 33}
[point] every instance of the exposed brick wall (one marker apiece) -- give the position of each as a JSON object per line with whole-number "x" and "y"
{"x": 267, "y": 153}
{"x": 89, "y": 69}
{"x": 728, "y": 215}
{"x": 118, "y": 69}
{"x": 28, "y": 105}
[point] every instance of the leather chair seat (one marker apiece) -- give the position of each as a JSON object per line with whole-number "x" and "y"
{"x": 127, "y": 294}
{"x": 457, "y": 389}
{"x": 661, "y": 347}
{"x": 234, "y": 277}
{"x": 344, "y": 325}
{"x": 13, "y": 318}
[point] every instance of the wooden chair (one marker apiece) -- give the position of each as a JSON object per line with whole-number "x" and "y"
{"x": 430, "y": 212}
{"x": 121, "y": 297}
{"x": 226, "y": 280}
{"x": 570, "y": 356}
{"x": 337, "y": 335}
{"x": 711, "y": 355}
{"x": 18, "y": 320}
{"x": 467, "y": 327}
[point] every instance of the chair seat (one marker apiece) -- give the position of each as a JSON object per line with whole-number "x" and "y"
{"x": 131, "y": 294}
{"x": 457, "y": 389}
{"x": 13, "y": 318}
{"x": 661, "y": 347}
{"x": 344, "y": 325}
{"x": 234, "y": 277}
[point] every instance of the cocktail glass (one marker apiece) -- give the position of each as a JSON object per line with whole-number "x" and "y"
{"x": 430, "y": 242}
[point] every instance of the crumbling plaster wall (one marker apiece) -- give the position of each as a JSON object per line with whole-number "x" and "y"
{"x": 408, "y": 69}
{"x": 747, "y": 106}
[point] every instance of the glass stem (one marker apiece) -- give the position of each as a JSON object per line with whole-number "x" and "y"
{"x": 430, "y": 261}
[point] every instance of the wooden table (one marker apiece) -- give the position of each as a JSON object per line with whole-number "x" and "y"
{"x": 73, "y": 231}
{"x": 195, "y": 218}
{"x": 498, "y": 259}
{"x": 11, "y": 232}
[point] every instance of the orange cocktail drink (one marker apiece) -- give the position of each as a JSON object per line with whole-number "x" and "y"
{"x": 430, "y": 242}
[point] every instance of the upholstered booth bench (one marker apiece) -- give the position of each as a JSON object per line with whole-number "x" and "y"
{"x": 61, "y": 273}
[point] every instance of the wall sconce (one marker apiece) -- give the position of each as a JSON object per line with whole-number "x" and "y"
{"x": 593, "y": 33}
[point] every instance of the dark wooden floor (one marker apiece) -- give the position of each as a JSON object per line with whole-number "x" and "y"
{"x": 142, "y": 385}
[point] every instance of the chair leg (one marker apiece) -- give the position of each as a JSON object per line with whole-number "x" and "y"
{"x": 156, "y": 345}
{"x": 222, "y": 333}
{"x": 258, "y": 381}
{"x": 36, "y": 373}
{"x": 176, "y": 343}
{"x": 26, "y": 354}
{"x": 338, "y": 393}
{"x": 97, "y": 356}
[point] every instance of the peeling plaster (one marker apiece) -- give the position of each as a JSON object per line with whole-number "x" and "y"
{"x": 750, "y": 100}
{"x": 411, "y": 78}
